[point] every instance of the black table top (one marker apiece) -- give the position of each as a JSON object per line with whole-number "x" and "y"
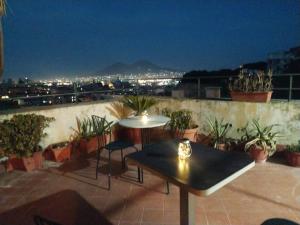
{"x": 206, "y": 171}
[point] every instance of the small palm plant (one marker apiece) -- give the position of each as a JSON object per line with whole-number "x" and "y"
{"x": 263, "y": 138}
{"x": 139, "y": 104}
{"x": 218, "y": 131}
{"x": 84, "y": 129}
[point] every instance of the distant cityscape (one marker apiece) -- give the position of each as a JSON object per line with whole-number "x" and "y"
{"x": 141, "y": 77}
{"x": 28, "y": 92}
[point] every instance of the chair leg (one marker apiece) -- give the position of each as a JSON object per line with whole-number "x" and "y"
{"x": 142, "y": 175}
{"x": 139, "y": 169}
{"x": 109, "y": 169}
{"x": 122, "y": 158}
{"x": 139, "y": 174}
{"x": 98, "y": 160}
{"x": 168, "y": 188}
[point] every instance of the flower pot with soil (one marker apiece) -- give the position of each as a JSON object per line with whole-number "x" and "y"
{"x": 263, "y": 144}
{"x": 251, "y": 96}
{"x": 86, "y": 135}
{"x": 218, "y": 131}
{"x": 181, "y": 124}
{"x": 251, "y": 87}
{"x": 58, "y": 152}
{"x": 20, "y": 137}
{"x": 292, "y": 155}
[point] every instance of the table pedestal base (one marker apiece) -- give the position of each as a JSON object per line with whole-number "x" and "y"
{"x": 187, "y": 208}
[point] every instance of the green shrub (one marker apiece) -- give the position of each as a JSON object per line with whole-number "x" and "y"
{"x": 180, "y": 120}
{"x": 22, "y": 133}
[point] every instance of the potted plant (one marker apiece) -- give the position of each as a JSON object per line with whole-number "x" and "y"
{"x": 263, "y": 144}
{"x": 20, "y": 137}
{"x": 293, "y": 155}
{"x": 218, "y": 133}
{"x": 139, "y": 104}
{"x": 181, "y": 124}
{"x": 58, "y": 152}
{"x": 245, "y": 136}
{"x": 136, "y": 106}
{"x": 85, "y": 135}
{"x": 251, "y": 87}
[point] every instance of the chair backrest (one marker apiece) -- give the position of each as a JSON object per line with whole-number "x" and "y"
{"x": 102, "y": 128}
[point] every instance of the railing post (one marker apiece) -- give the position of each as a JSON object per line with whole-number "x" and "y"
{"x": 137, "y": 87}
{"x": 198, "y": 87}
{"x": 291, "y": 87}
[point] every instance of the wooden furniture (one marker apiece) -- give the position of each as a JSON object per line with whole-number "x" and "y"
{"x": 206, "y": 171}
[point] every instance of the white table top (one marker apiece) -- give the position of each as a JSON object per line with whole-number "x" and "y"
{"x": 144, "y": 122}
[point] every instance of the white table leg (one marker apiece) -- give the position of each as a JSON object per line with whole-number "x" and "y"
{"x": 187, "y": 208}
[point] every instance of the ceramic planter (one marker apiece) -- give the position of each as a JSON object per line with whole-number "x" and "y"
{"x": 59, "y": 152}
{"x": 25, "y": 163}
{"x": 258, "y": 154}
{"x": 87, "y": 146}
{"x": 203, "y": 139}
{"x": 293, "y": 158}
{"x": 251, "y": 96}
{"x": 38, "y": 159}
{"x": 190, "y": 134}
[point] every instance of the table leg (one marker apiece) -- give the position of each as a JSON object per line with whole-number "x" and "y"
{"x": 187, "y": 208}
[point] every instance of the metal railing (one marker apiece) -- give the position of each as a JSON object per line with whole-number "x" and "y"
{"x": 285, "y": 87}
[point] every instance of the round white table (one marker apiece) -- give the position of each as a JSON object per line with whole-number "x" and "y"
{"x": 143, "y": 123}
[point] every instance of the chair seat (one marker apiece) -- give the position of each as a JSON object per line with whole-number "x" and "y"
{"x": 118, "y": 145}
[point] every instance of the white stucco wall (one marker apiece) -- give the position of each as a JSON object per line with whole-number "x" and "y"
{"x": 287, "y": 114}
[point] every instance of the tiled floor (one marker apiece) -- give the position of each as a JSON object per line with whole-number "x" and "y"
{"x": 70, "y": 194}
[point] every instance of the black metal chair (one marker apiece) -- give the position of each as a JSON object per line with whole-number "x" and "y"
{"x": 38, "y": 220}
{"x": 102, "y": 128}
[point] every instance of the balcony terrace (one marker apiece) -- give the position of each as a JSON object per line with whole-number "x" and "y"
{"x": 69, "y": 194}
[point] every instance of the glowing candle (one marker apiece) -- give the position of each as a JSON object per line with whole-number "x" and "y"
{"x": 184, "y": 149}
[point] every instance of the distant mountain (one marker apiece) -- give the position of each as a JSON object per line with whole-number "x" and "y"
{"x": 138, "y": 67}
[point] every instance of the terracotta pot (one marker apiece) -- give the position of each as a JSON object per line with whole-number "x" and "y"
{"x": 24, "y": 163}
{"x": 87, "y": 146}
{"x": 293, "y": 158}
{"x": 203, "y": 139}
{"x": 38, "y": 159}
{"x": 59, "y": 153}
{"x": 258, "y": 154}
{"x": 251, "y": 96}
{"x": 190, "y": 134}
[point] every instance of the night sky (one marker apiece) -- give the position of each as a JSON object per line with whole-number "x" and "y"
{"x": 46, "y": 38}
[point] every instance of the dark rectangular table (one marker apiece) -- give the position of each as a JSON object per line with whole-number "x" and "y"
{"x": 206, "y": 171}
